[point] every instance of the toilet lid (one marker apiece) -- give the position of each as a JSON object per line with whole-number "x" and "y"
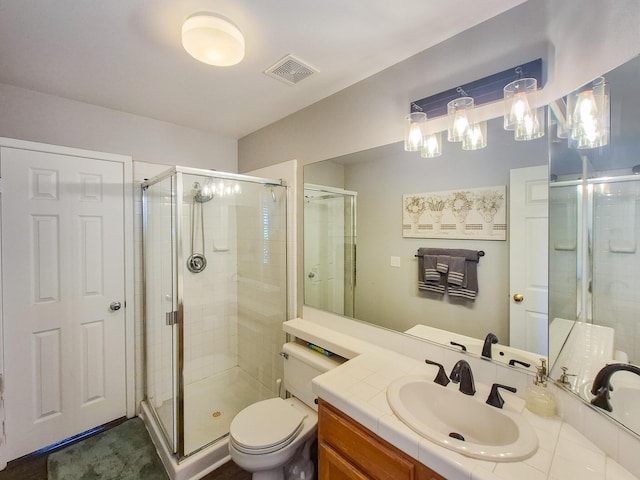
{"x": 266, "y": 424}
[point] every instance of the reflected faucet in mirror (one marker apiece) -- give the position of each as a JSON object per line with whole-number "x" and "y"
{"x": 489, "y": 340}
{"x": 602, "y": 383}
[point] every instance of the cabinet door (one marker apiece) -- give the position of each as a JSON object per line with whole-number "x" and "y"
{"x": 350, "y": 451}
{"x": 336, "y": 467}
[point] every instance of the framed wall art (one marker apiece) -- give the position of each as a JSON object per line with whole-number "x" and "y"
{"x": 472, "y": 213}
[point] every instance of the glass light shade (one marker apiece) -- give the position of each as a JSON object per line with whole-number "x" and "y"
{"x": 415, "y": 129}
{"x": 476, "y": 137}
{"x": 532, "y": 125}
{"x": 517, "y": 101}
{"x": 458, "y": 111}
{"x": 213, "y": 40}
{"x": 589, "y": 115}
{"x": 432, "y": 145}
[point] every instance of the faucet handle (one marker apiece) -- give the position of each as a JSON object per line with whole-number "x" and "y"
{"x": 564, "y": 378}
{"x": 495, "y": 399}
{"x": 441, "y": 377}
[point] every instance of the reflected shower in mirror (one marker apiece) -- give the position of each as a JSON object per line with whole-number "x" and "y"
{"x": 385, "y": 277}
{"x": 594, "y": 253}
{"x": 329, "y": 248}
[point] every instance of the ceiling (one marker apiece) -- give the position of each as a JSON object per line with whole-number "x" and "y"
{"x": 127, "y": 54}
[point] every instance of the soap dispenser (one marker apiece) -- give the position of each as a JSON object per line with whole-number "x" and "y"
{"x": 539, "y": 399}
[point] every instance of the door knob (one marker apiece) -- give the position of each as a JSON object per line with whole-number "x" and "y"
{"x": 518, "y": 298}
{"x": 115, "y": 306}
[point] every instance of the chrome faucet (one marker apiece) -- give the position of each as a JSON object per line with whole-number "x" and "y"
{"x": 462, "y": 374}
{"x": 489, "y": 340}
{"x": 602, "y": 383}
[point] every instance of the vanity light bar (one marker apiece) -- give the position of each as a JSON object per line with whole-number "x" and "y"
{"x": 485, "y": 90}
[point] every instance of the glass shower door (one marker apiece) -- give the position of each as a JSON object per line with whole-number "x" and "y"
{"x": 232, "y": 292}
{"x": 160, "y": 301}
{"x": 329, "y": 248}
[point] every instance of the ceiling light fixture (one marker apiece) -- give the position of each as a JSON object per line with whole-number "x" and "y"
{"x": 212, "y": 39}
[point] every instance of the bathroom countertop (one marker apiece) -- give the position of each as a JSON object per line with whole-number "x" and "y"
{"x": 358, "y": 388}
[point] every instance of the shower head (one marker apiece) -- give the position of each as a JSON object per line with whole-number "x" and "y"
{"x": 202, "y": 194}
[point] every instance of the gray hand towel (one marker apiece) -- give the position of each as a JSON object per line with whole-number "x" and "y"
{"x": 428, "y": 277}
{"x": 469, "y": 288}
{"x": 456, "y": 271}
{"x": 442, "y": 264}
{"x": 431, "y": 273}
{"x": 435, "y": 287}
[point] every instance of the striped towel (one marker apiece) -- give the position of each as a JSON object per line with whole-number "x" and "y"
{"x": 469, "y": 288}
{"x": 428, "y": 277}
{"x": 442, "y": 264}
{"x": 456, "y": 271}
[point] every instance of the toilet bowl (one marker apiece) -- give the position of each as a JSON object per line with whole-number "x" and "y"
{"x": 267, "y": 435}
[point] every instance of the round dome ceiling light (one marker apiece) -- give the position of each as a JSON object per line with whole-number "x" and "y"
{"x": 212, "y": 39}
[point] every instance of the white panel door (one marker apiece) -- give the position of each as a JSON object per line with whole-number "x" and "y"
{"x": 62, "y": 268}
{"x": 528, "y": 235}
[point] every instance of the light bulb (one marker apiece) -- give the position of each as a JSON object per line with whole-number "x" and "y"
{"x": 432, "y": 146}
{"x": 519, "y": 108}
{"x": 414, "y": 131}
{"x": 476, "y": 137}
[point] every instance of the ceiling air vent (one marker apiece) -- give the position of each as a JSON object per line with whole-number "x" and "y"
{"x": 290, "y": 70}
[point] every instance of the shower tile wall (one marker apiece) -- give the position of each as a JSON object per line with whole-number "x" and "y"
{"x": 616, "y": 262}
{"x": 261, "y": 283}
{"x": 563, "y": 252}
{"x": 210, "y": 297}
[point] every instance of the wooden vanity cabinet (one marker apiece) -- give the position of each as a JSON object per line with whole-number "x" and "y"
{"x": 349, "y": 451}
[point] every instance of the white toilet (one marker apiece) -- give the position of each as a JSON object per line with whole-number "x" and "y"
{"x": 265, "y": 436}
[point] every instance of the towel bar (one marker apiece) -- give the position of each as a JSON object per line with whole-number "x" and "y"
{"x": 480, "y": 254}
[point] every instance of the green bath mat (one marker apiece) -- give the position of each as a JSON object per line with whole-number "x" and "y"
{"x": 124, "y": 452}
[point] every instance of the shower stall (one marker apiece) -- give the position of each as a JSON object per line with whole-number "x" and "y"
{"x": 330, "y": 248}
{"x": 594, "y": 232}
{"x": 214, "y": 248}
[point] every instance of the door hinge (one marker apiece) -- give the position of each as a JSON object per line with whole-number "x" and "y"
{"x": 171, "y": 318}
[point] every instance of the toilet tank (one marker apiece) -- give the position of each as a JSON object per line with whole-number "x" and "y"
{"x": 301, "y": 366}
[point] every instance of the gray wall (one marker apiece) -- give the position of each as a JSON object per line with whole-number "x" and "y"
{"x": 38, "y": 117}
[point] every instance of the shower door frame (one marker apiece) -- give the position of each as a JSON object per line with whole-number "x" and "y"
{"x": 353, "y": 199}
{"x": 177, "y": 447}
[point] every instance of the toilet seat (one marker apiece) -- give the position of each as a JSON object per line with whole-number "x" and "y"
{"x": 266, "y": 426}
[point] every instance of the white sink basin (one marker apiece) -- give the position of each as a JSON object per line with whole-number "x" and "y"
{"x": 435, "y": 412}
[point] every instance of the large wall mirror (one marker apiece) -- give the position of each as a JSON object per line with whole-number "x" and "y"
{"x": 594, "y": 250}
{"x": 357, "y": 262}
